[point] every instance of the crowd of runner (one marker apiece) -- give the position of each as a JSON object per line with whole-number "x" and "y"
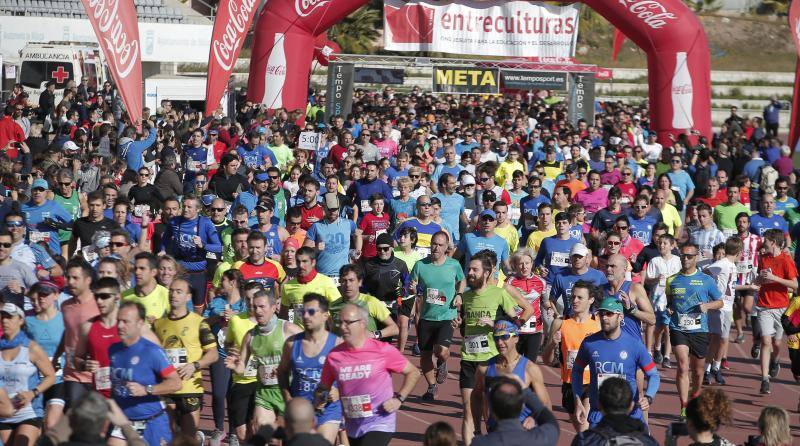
{"x": 133, "y": 260}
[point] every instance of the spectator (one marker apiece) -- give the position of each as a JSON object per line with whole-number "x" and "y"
{"x": 704, "y": 415}
{"x": 439, "y": 434}
{"x": 773, "y": 425}
{"x": 616, "y": 403}
{"x": 299, "y": 427}
{"x": 506, "y": 399}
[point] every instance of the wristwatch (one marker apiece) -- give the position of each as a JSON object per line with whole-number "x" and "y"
{"x": 196, "y": 365}
{"x": 399, "y": 397}
{"x": 149, "y": 389}
{"x": 377, "y": 334}
{"x": 649, "y": 399}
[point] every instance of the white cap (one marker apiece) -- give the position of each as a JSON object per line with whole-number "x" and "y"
{"x": 468, "y": 179}
{"x": 12, "y": 309}
{"x": 578, "y": 249}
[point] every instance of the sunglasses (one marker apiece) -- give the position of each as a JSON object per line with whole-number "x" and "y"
{"x": 273, "y": 177}
{"x": 676, "y": 161}
{"x": 218, "y": 209}
{"x": 15, "y": 224}
{"x": 311, "y": 311}
{"x": 504, "y": 337}
{"x": 625, "y": 174}
{"x": 613, "y": 243}
{"x": 688, "y": 256}
{"x": 144, "y": 175}
{"x": 384, "y": 248}
{"x": 414, "y": 176}
{"x": 424, "y": 204}
{"x": 605, "y": 313}
{"x": 348, "y": 323}
{"x": 5, "y": 245}
{"x": 67, "y": 183}
{"x": 483, "y": 180}
{"x": 104, "y": 296}
{"x": 622, "y": 228}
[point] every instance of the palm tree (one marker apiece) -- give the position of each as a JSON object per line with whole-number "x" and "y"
{"x": 357, "y": 33}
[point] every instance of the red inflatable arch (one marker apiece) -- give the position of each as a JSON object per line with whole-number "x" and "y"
{"x": 677, "y": 55}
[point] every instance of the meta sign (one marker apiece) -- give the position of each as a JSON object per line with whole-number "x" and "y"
{"x": 467, "y": 80}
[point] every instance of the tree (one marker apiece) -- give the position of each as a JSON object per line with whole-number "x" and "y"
{"x": 357, "y": 33}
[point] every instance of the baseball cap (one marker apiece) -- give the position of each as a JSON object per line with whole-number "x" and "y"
{"x": 503, "y": 141}
{"x": 578, "y": 249}
{"x": 611, "y": 304}
{"x": 620, "y": 154}
{"x": 213, "y": 132}
{"x": 504, "y": 327}
{"x": 207, "y": 199}
{"x": 331, "y": 200}
{"x": 291, "y": 242}
{"x": 261, "y": 176}
{"x": 39, "y": 184}
{"x": 12, "y": 309}
{"x": 467, "y": 180}
{"x": 384, "y": 239}
{"x": 47, "y": 286}
{"x": 488, "y": 213}
{"x": 70, "y": 146}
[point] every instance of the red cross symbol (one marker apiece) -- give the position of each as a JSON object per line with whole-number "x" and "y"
{"x": 59, "y": 75}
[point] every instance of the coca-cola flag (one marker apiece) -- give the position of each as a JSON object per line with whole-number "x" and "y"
{"x": 230, "y": 29}
{"x": 794, "y": 120}
{"x": 619, "y": 39}
{"x": 116, "y": 27}
{"x": 487, "y": 28}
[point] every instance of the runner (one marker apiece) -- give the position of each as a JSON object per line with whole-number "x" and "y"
{"x": 140, "y": 374}
{"x": 482, "y": 305}
{"x": 351, "y": 278}
{"x": 438, "y": 280}
{"x": 190, "y": 346}
{"x": 634, "y": 299}
{"x": 362, "y": 368}
{"x": 612, "y": 352}
{"x": 690, "y": 294}
{"x": 658, "y": 270}
{"x": 777, "y": 277}
{"x": 568, "y": 334}
{"x": 303, "y": 358}
{"x": 508, "y": 362}
{"x": 530, "y": 287}
{"x": 747, "y": 267}
{"x": 258, "y": 266}
{"x": 148, "y": 292}
{"x": 331, "y": 237}
{"x": 308, "y": 280}
{"x": 423, "y": 224}
{"x": 723, "y": 270}
{"x": 264, "y": 343}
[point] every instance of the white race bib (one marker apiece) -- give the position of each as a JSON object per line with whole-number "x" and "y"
{"x": 251, "y": 370}
{"x": 221, "y": 334}
{"x": 194, "y": 166}
{"x": 514, "y": 214}
{"x": 743, "y": 267}
{"x": 102, "y": 378}
{"x": 359, "y": 406}
{"x": 529, "y": 326}
{"x": 476, "y": 344}
{"x": 559, "y": 259}
{"x": 38, "y": 236}
{"x": 177, "y": 356}
{"x": 601, "y": 377}
{"x": 423, "y": 252}
{"x": 571, "y": 355}
{"x": 267, "y": 374}
{"x": 365, "y": 207}
{"x": 434, "y": 297}
{"x": 295, "y": 313}
{"x": 690, "y": 321}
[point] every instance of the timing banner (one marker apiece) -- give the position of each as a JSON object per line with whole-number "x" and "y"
{"x": 466, "y": 80}
{"x": 340, "y": 90}
{"x": 581, "y": 98}
{"x": 487, "y": 28}
{"x": 533, "y": 80}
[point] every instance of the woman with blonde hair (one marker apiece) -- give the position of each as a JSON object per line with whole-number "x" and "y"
{"x": 773, "y": 423}
{"x": 525, "y": 284}
{"x": 168, "y": 270}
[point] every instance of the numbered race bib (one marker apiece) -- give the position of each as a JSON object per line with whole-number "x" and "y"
{"x": 559, "y": 259}
{"x": 434, "y": 297}
{"x": 251, "y": 369}
{"x": 601, "y": 377}
{"x": 690, "y": 321}
{"x": 89, "y": 254}
{"x": 476, "y": 344}
{"x": 529, "y": 326}
{"x": 221, "y": 334}
{"x": 267, "y": 374}
{"x": 335, "y": 280}
{"x": 468, "y": 213}
{"x": 140, "y": 426}
{"x": 194, "y": 166}
{"x": 359, "y": 406}
{"x": 38, "y": 236}
{"x": 102, "y": 378}
{"x": 295, "y": 313}
{"x": 365, "y": 207}
{"x": 423, "y": 252}
{"x": 743, "y": 267}
{"x": 177, "y": 356}
{"x": 571, "y": 355}
{"x": 514, "y": 214}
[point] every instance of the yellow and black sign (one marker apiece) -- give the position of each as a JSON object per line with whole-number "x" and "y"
{"x": 466, "y": 80}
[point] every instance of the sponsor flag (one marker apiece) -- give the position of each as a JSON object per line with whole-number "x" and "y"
{"x": 489, "y": 28}
{"x": 231, "y": 25}
{"x": 794, "y": 121}
{"x": 116, "y": 27}
{"x": 619, "y": 39}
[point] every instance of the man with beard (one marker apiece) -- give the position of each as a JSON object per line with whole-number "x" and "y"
{"x": 482, "y": 305}
{"x": 635, "y": 301}
{"x": 351, "y": 278}
{"x": 612, "y": 353}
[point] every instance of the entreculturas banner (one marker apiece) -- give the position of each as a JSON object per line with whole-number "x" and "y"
{"x": 491, "y": 28}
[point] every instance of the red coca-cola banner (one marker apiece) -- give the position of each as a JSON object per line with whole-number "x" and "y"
{"x": 679, "y": 67}
{"x": 116, "y": 27}
{"x": 325, "y": 49}
{"x": 794, "y": 27}
{"x": 230, "y": 29}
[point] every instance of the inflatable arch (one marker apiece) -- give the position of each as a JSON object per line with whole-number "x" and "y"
{"x": 678, "y": 60}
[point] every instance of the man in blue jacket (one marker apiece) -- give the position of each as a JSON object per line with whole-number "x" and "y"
{"x": 131, "y": 149}
{"x": 191, "y": 239}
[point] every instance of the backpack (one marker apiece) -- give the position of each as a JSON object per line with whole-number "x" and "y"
{"x": 613, "y": 438}
{"x": 766, "y": 178}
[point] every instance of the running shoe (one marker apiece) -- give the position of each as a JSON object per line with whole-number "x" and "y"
{"x": 415, "y": 350}
{"x": 765, "y": 387}
{"x": 682, "y": 415}
{"x": 657, "y": 357}
{"x": 441, "y": 372}
{"x": 755, "y": 352}
{"x": 725, "y": 365}
{"x": 216, "y": 438}
{"x": 666, "y": 363}
{"x": 201, "y": 438}
{"x": 233, "y": 440}
{"x": 774, "y": 369}
{"x": 707, "y": 378}
{"x": 717, "y": 374}
{"x": 739, "y": 339}
{"x": 430, "y": 394}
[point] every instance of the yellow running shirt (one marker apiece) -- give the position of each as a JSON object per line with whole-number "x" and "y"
{"x": 184, "y": 341}
{"x": 156, "y": 304}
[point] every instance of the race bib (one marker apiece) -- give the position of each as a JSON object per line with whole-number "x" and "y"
{"x": 177, "y": 356}
{"x": 359, "y": 406}
{"x": 559, "y": 259}
{"x": 295, "y": 313}
{"x": 267, "y": 374}
{"x": 59, "y": 369}
{"x": 251, "y": 370}
{"x": 335, "y": 280}
{"x": 365, "y": 207}
{"x": 690, "y": 321}
{"x": 38, "y": 236}
{"x": 468, "y": 213}
{"x": 423, "y": 252}
{"x": 743, "y": 267}
{"x": 221, "y": 333}
{"x": 601, "y": 377}
{"x": 529, "y": 326}
{"x": 476, "y": 344}
{"x": 194, "y": 166}
{"x": 434, "y": 297}
{"x": 102, "y": 378}
{"x": 514, "y": 214}
{"x": 571, "y": 355}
